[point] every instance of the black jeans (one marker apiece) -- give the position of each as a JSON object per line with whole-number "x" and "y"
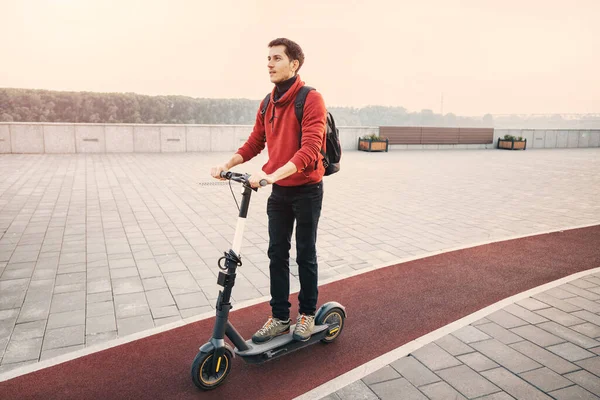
{"x": 301, "y": 204}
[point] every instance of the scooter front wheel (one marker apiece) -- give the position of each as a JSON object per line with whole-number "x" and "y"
{"x": 335, "y": 318}
{"x": 202, "y": 374}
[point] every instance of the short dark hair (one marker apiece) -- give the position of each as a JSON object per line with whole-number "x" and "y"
{"x": 292, "y": 50}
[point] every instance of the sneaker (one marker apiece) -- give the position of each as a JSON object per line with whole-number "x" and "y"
{"x": 305, "y": 324}
{"x": 273, "y": 327}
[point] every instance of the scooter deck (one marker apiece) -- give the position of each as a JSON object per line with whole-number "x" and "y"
{"x": 279, "y": 345}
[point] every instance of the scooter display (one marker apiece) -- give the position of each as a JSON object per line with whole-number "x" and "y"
{"x": 213, "y": 363}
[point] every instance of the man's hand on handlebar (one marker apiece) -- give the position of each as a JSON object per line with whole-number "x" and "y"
{"x": 215, "y": 172}
{"x": 256, "y": 178}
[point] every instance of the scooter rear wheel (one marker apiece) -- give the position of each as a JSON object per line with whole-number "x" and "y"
{"x": 202, "y": 374}
{"x": 335, "y": 316}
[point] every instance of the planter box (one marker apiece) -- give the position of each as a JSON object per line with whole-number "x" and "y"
{"x": 512, "y": 144}
{"x": 373, "y": 145}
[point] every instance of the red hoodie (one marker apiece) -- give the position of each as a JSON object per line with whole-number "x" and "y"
{"x": 281, "y": 129}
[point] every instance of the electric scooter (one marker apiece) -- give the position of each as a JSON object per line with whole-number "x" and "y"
{"x": 213, "y": 362}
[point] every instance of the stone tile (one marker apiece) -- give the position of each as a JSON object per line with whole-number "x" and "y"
{"x": 573, "y": 392}
{"x": 588, "y": 329}
{"x": 69, "y": 279}
{"x": 470, "y": 334}
{"x": 99, "y": 297}
{"x": 586, "y": 294}
{"x": 434, "y": 358}
{"x": 195, "y": 311}
{"x": 99, "y": 273}
{"x": 163, "y": 312}
{"x": 167, "y": 320}
{"x": 191, "y": 300}
{"x": 453, "y": 346}
{"x": 64, "y": 319}
{"x": 154, "y": 283}
{"x": 557, "y": 303}
{"x": 559, "y": 293}
{"x": 381, "y": 375}
{"x": 414, "y": 371}
{"x": 100, "y": 308}
{"x": 537, "y": 335}
{"x": 499, "y": 333}
{"x": 591, "y": 364}
{"x": 356, "y": 391}
{"x": 584, "y": 283}
{"x": 69, "y": 288}
{"x": 27, "y": 330}
{"x": 72, "y": 258}
{"x": 441, "y": 391}
{"x": 559, "y": 316}
{"x": 505, "y": 319}
{"x": 34, "y": 311}
{"x": 68, "y": 302}
{"x": 131, "y": 305}
{"x": 127, "y": 285}
{"x": 70, "y": 268}
{"x": 127, "y": 326}
{"x": 513, "y": 385}
{"x": 525, "y": 314}
{"x": 18, "y": 271}
{"x": 159, "y": 298}
{"x": 396, "y": 389}
{"x": 91, "y": 340}
{"x": 545, "y": 357}
{"x": 497, "y": 396}
{"x": 586, "y": 304}
{"x": 588, "y": 316}
{"x": 126, "y": 272}
{"x": 99, "y": 286}
{"x": 12, "y": 366}
{"x": 545, "y": 379}
{"x": 477, "y": 361}
{"x": 100, "y": 324}
{"x": 47, "y": 354}
{"x": 570, "y": 351}
{"x": 506, "y": 356}
{"x": 183, "y": 283}
{"x": 468, "y": 382}
{"x": 22, "y": 350}
{"x": 586, "y": 380}
{"x": 64, "y": 337}
{"x": 569, "y": 335}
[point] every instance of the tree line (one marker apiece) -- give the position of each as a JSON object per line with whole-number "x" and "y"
{"x": 34, "y": 105}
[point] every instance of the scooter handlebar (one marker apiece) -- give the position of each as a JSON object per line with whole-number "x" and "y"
{"x": 242, "y": 178}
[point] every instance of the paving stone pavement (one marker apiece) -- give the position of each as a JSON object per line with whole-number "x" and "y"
{"x": 98, "y": 246}
{"x": 544, "y": 347}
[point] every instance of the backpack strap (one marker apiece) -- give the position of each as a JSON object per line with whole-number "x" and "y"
{"x": 300, "y": 100}
{"x": 265, "y": 104}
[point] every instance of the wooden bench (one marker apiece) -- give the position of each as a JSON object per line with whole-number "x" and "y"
{"x": 433, "y": 135}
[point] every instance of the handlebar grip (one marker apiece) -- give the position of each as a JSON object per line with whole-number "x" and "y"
{"x": 224, "y": 174}
{"x": 263, "y": 182}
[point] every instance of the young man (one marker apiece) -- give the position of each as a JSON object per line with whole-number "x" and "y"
{"x": 295, "y": 170}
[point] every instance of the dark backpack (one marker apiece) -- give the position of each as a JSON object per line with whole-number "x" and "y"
{"x": 333, "y": 148}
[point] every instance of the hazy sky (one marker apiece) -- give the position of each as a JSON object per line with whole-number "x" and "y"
{"x": 509, "y": 56}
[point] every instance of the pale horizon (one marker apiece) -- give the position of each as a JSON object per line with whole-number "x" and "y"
{"x": 526, "y": 57}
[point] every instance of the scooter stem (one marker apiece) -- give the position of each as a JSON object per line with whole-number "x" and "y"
{"x": 241, "y": 222}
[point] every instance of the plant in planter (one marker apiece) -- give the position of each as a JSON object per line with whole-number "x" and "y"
{"x": 510, "y": 142}
{"x": 373, "y": 142}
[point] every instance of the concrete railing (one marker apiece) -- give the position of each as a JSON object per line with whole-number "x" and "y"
{"x": 16, "y": 137}
{"x": 136, "y": 138}
{"x": 553, "y": 138}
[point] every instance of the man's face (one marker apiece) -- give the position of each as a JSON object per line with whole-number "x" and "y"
{"x": 280, "y": 66}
